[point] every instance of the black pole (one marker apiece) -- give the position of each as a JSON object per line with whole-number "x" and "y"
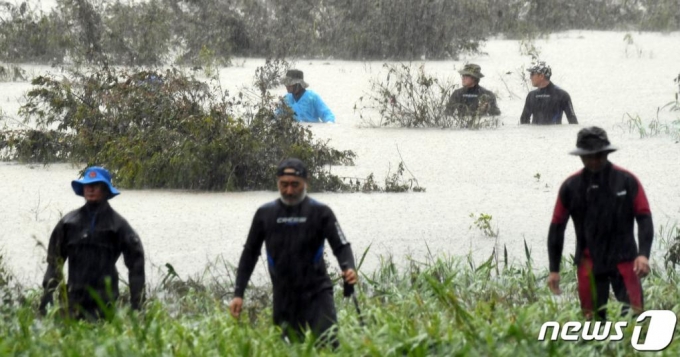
{"x": 348, "y": 291}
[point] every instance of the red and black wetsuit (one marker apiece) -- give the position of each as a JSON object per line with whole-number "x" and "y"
{"x": 92, "y": 239}
{"x": 603, "y": 206}
{"x": 294, "y": 238}
{"x": 546, "y": 106}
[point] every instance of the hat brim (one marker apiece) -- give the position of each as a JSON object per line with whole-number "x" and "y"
{"x": 581, "y": 152}
{"x": 471, "y": 74}
{"x": 77, "y": 186}
{"x": 291, "y": 81}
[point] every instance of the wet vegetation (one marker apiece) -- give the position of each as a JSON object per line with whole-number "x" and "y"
{"x": 656, "y": 126}
{"x": 409, "y": 97}
{"x": 437, "y": 306}
{"x": 178, "y": 31}
{"x": 167, "y": 129}
{"x": 164, "y": 128}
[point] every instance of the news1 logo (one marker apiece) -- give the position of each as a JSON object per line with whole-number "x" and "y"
{"x": 660, "y": 331}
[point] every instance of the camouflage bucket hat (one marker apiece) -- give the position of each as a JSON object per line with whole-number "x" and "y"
{"x": 540, "y": 67}
{"x": 473, "y": 70}
{"x": 295, "y": 76}
{"x": 591, "y": 141}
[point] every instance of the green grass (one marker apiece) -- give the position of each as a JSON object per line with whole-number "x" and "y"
{"x": 441, "y": 306}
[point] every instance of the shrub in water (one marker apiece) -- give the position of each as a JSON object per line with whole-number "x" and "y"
{"x": 164, "y": 130}
{"x": 412, "y": 99}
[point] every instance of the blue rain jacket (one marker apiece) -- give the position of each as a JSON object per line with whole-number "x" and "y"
{"x": 310, "y": 108}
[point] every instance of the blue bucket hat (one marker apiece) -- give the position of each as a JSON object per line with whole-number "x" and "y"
{"x": 94, "y": 174}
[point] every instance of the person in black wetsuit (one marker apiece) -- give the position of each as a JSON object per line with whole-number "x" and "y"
{"x": 294, "y": 229}
{"x": 604, "y": 201}
{"x": 547, "y": 103}
{"x": 472, "y": 99}
{"x": 92, "y": 238}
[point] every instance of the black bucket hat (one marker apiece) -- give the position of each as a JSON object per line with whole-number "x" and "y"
{"x": 297, "y": 165}
{"x": 592, "y": 140}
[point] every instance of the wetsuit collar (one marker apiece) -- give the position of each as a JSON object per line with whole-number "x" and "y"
{"x": 94, "y": 208}
{"x": 550, "y": 85}
{"x": 605, "y": 168}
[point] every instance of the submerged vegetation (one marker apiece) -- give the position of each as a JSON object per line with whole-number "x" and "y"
{"x": 656, "y": 126}
{"x": 167, "y": 129}
{"x": 440, "y": 306}
{"x": 411, "y": 98}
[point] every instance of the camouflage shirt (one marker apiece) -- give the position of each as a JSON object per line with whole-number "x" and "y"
{"x": 472, "y": 101}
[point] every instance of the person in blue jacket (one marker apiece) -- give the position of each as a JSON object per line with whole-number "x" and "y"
{"x": 307, "y": 105}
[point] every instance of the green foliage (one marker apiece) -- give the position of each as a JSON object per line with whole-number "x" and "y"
{"x": 5, "y": 280}
{"x": 412, "y": 99}
{"x": 26, "y": 36}
{"x": 483, "y": 223}
{"x": 209, "y": 25}
{"x": 137, "y": 34}
{"x": 401, "y": 29}
{"x": 671, "y": 235}
{"x": 440, "y": 305}
{"x": 151, "y": 32}
{"x": 165, "y": 130}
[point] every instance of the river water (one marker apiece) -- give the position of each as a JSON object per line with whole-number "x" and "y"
{"x": 464, "y": 171}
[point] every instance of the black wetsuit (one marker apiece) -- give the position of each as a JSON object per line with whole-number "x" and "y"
{"x": 546, "y": 106}
{"x": 92, "y": 238}
{"x": 294, "y": 238}
{"x": 604, "y": 207}
{"x": 465, "y": 102}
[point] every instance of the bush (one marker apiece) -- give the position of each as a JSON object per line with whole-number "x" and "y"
{"x": 399, "y": 29}
{"x": 26, "y": 36}
{"x": 137, "y": 34}
{"x": 169, "y": 130}
{"x": 146, "y": 33}
{"x": 207, "y": 25}
{"x": 412, "y": 100}
{"x": 164, "y": 130}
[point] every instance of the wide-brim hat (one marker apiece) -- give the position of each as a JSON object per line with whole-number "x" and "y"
{"x": 94, "y": 174}
{"x": 592, "y": 140}
{"x": 472, "y": 70}
{"x": 295, "y": 76}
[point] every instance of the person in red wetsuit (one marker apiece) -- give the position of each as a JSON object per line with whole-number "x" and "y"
{"x": 604, "y": 201}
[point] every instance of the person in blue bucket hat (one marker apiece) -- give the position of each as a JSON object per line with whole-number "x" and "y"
{"x": 92, "y": 238}
{"x": 93, "y": 175}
